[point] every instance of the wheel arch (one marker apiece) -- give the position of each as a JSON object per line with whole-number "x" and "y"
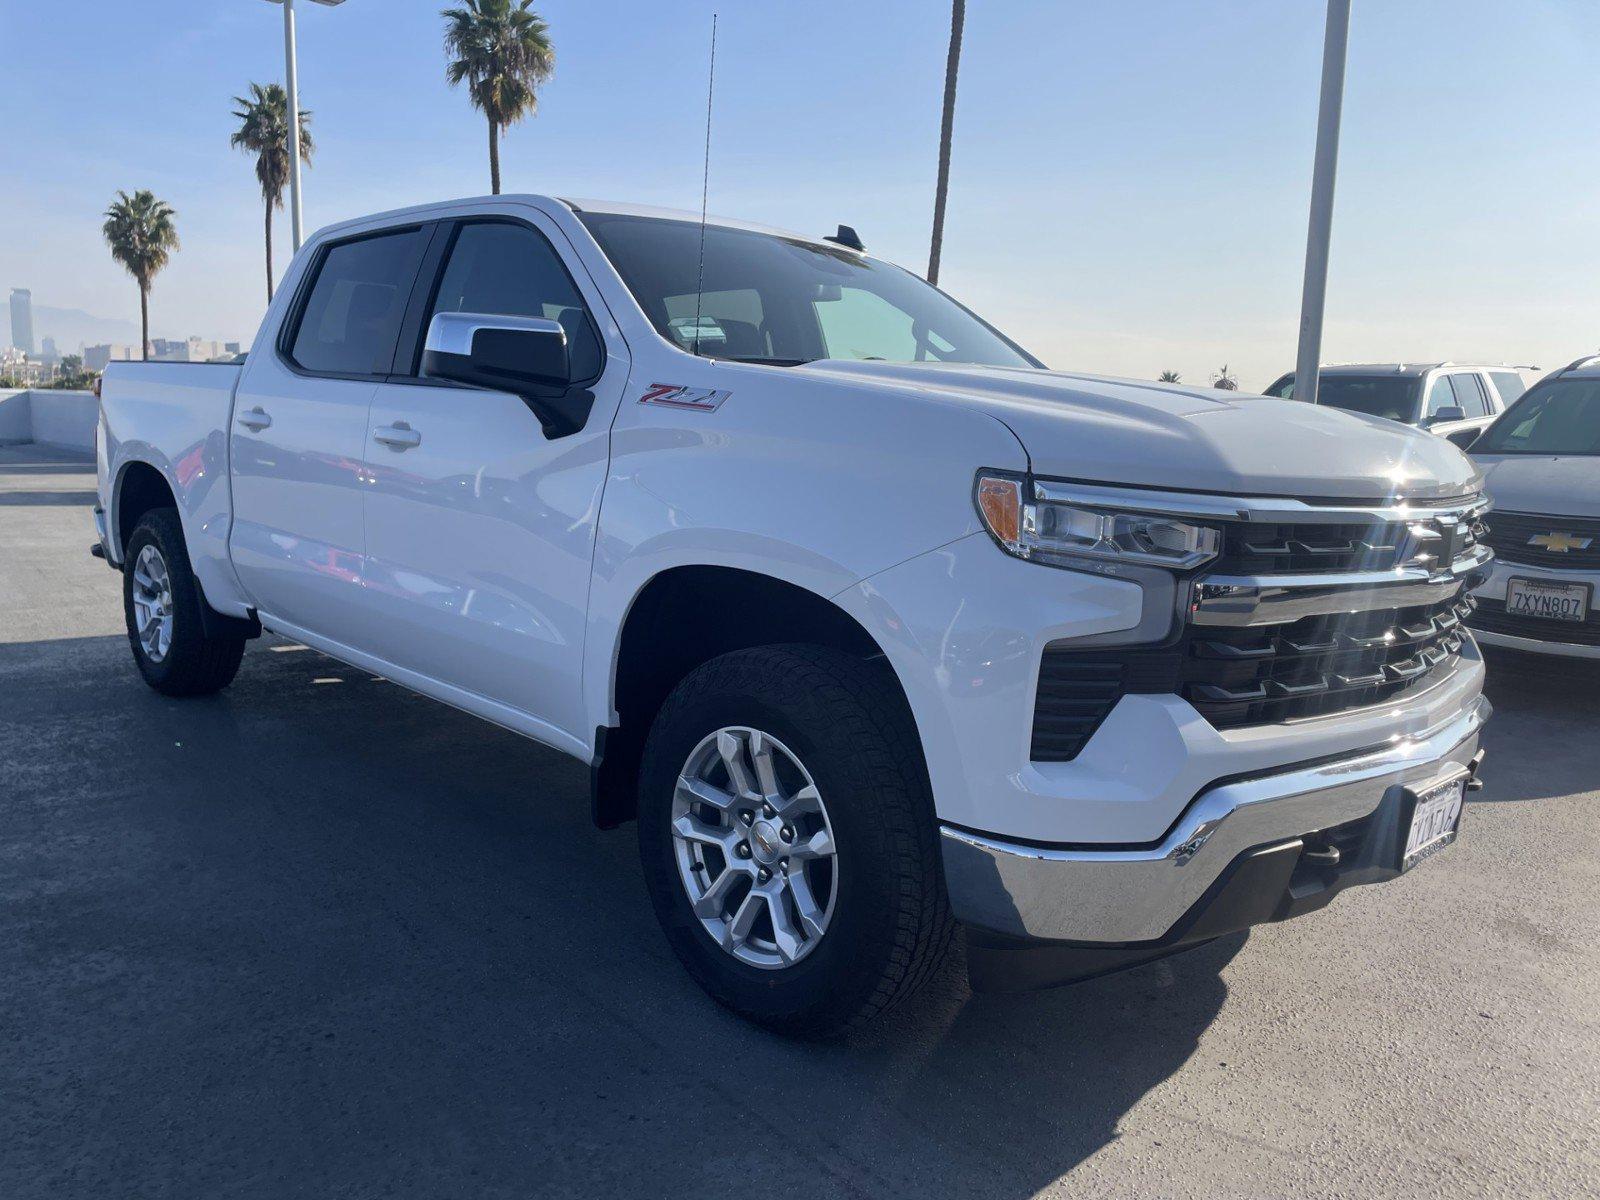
{"x": 140, "y": 486}
{"x": 686, "y": 615}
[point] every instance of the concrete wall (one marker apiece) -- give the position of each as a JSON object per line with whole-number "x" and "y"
{"x": 51, "y": 418}
{"x": 16, "y": 423}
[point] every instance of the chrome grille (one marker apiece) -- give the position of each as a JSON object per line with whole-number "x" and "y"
{"x": 1309, "y": 610}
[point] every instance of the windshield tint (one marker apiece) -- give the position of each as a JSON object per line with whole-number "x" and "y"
{"x": 1393, "y": 397}
{"x": 767, "y": 298}
{"x": 1560, "y": 417}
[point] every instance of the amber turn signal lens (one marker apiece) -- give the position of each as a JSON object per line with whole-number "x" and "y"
{"x": 1000, "y": 503}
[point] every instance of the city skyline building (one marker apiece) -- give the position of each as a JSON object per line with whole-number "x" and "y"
{"x": 22, "y": 320}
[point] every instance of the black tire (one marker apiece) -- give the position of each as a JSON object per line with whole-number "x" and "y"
{"x": 847, "y": 723}
{"x": 194, "y": 664}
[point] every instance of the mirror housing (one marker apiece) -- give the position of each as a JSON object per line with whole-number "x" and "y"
{"x": 526, "y": 356}
{"x": 1446, "y": 414}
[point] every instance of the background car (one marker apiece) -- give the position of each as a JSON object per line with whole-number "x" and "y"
{"x": 1457, "y": 401}
{"x": 1541, "y": 466}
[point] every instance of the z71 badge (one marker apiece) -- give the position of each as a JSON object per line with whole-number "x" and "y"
{"x": 677, "y": 396}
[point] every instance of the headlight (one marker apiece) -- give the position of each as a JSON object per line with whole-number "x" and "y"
{"x": 1050, "y": 531}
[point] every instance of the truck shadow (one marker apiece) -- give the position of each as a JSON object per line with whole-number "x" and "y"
{"x": 320, "y": 936}
{"x": 1546, "y": 711}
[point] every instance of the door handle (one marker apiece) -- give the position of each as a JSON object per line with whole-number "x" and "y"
{"x": 256, "y": 419}
{"x": 398, "y": 436}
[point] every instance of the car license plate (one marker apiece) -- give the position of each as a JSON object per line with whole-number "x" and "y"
{"x": 1435, "y": 819}
{"x": 1547, "y": 599}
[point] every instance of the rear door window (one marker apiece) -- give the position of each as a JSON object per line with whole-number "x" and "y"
{"x": 352, "y": 314}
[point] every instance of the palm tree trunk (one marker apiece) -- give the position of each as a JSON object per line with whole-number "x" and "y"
{"x": 269, "y": 251}
{"x": 494, "y": 156}
{"x": 958, "y": 18}
{"x": 144, "y": 322}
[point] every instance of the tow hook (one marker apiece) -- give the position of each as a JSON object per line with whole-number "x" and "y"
{"x": 1320, "y": 854}
{"x": 1474, "y": 784}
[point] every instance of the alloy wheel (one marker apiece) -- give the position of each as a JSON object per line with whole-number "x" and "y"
{"x": 754, "y": 847}
{"x": 152, "y": 603}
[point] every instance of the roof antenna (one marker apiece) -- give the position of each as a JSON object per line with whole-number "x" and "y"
{"x": 705, "y": 183}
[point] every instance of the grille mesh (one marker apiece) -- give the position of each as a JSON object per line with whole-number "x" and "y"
{"x": 1509, "y": 533}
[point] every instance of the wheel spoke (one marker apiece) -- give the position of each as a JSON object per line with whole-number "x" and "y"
{"x": 818, "y": 845}
{"x": 731, "y": 748}
{"x": 692, "y": 829}
{"x": 805, "y": 800}
{"x": 784, "y": 932}
{"x": 710, "y": 905}
{"x": 698, "y": 791}
{"x": 766, "y": 770}
{"x": 805, "y": 904}
{"x": 738, "y": 929}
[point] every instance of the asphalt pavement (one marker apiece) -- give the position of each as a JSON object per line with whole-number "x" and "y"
{"x": 321, "y": 937}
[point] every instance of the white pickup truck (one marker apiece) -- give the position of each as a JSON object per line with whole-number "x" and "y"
{"x": 876, "y": 625}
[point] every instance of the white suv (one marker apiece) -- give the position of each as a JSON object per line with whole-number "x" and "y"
{"x": 1457, "y": 401}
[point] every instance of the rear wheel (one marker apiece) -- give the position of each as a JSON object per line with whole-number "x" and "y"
{"x": 162, "y": 607}
{"x": 788, "y": 838}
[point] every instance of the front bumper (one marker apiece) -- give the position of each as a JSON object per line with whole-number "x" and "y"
{"x": 1531, "y": 635}
{"x": 1147, "y": 897}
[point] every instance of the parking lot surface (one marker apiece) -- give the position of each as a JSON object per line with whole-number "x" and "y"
{"x": 321, "y": 937}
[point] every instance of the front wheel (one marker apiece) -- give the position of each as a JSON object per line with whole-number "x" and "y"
{"x": 162, "y": 607}
{"x": 788, "y": 838}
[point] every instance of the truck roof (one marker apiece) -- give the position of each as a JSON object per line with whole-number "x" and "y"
{"x": 620, "y": 207}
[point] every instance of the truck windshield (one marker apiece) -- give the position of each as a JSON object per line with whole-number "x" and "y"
{"x": 1561, "y": 417}
{"x": 1393, "y": 397}
{"x": 767, "y": 298}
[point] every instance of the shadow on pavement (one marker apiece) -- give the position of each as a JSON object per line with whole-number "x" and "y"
{"x": 318, "y": 936}
{"x": 1548, "y": 709}
{"x": 20, "y": 499}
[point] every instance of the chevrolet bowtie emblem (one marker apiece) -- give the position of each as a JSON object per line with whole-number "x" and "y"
{"x": 1560, "y": 543}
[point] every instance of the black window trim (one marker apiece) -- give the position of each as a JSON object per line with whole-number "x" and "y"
{"x": 406, "y": 363}
{"x": 283, "y": 347}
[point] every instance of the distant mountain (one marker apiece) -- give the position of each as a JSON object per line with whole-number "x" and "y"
{"x": 72, "y": 327}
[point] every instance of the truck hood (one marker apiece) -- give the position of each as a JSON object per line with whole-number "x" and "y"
{"x": 1125, "y": 431}
{"x": 1560, "y": 485}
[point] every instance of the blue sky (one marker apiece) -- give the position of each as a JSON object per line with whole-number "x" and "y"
{"x": 1129, "y": 184}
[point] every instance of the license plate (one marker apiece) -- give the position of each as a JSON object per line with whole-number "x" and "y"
{"x": 1544, "y": 598}
{"x": 1435, "y": 819}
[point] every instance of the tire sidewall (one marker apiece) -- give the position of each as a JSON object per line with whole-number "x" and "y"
{"x": 847, "y": 963}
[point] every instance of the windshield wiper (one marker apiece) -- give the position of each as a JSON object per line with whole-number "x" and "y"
{"x": 765, "y": 362}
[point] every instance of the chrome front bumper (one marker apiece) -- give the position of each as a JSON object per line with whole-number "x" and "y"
{"x": 1122, "y": 896}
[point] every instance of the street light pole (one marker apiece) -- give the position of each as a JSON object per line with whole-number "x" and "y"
{"x": 291, "y": 83}
{"x": 1334, "y": 43}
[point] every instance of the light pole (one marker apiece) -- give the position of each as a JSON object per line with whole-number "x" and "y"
{"x": 1307, "y": 363}
{"x": 291, "y": 84}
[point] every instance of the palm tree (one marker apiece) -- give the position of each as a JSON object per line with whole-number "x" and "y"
{"x": 958, "y": 18}
{"x": 1224, "y": 380}
{"x": 1168, "y": 377}
{"x": 140, "y": 231}
{"x": 502, "y": 52}
{"x": 264, "y": 131}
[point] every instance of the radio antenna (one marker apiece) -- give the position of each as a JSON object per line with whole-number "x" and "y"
{"x": 705, "y": 184}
